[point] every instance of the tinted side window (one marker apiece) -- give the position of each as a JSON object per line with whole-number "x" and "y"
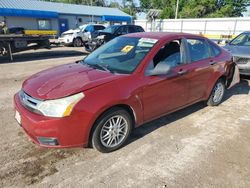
{"x": 98, "y": 27}
{"x": 122, "y": 30}
{"x": 215, "y": 50}
{"x": 131, "y": 29}
{"x": 139, "y": 29}
{"x": 198, "y": 49}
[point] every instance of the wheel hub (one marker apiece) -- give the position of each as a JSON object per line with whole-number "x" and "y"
{"x": 114, "y": 131}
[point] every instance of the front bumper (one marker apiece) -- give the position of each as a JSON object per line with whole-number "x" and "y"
{"x": 71, "y": 131}
{"x": 244, "y": 71}
{"x": 65, "y": 40}
{"x": 93, "y": 44}
{"x": 244, "y": 66}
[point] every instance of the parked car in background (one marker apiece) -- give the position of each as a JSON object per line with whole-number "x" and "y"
{"x": 110, "y": 33}
{"x": 77, "y": 37}
{"x": 128, "y": 81}
{"x": 16, "y": 30}
{"x": 239, "y": 47}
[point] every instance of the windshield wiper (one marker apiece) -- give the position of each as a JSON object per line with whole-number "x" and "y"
{"x": 97, "y": 66}
{"x": 102, "y": 67}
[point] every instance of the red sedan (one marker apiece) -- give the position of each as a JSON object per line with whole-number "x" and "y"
{"x": 128, "y": 81}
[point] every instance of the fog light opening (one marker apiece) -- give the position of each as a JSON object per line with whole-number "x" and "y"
{"x": 48, "y": 141}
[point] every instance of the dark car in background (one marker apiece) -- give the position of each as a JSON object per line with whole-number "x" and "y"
{"x": 110, "y": 33}
{"x": 16, "y": 30}
{"x": 239, "y": 47}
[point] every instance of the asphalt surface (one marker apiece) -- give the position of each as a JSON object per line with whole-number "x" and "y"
{"x": 198, "y": 146}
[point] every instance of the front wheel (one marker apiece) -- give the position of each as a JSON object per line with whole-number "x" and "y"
{"x": 217, "y": 93}
{"x": 112, "y": 130}
{"x": 77, "y": 42}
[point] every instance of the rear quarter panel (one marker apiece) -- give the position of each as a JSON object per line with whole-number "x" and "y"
{"x": 221, "y": 70}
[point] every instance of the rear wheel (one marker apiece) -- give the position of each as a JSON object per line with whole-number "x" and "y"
{"x": 112, "y": 130}
{"x": 217, "y": 93}
{"x": 77, "y": 42}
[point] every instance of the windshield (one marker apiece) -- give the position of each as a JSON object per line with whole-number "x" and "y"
{"x": 82, "y": 27}
{"x": 111, "y": 29}
{"x": 120, "y": 55}
{"x": 242, "y": 40}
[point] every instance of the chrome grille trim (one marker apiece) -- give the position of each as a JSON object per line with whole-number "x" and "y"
{"x": 28, "y": 101}
{"x": 241, "y": 60}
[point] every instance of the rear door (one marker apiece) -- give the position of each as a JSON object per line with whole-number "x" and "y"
{"x": 200, "y": 68}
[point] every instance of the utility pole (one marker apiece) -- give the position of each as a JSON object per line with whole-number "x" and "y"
{"x": 92, "y": 16}
{"x": 176, "y": 10}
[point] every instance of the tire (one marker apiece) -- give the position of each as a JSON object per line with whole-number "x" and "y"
{"x": 107, "y": 138}
{"x": 217, "y": 93}
{"x": 77, "y": 42}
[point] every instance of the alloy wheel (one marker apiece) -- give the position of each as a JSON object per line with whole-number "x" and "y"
{"x": 114, "y": 131}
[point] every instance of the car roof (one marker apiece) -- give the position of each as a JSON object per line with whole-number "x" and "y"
{"x": 84, "y": 25}
{"x": 161, "y": 35}
{"x": 247, "y": 32}
{"x": 126, "y": 25}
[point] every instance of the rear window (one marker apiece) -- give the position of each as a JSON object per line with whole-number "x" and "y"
{"x": 198, "y": 49}
{"x": 139, "y": 29}
{"x": 215, "y": 50}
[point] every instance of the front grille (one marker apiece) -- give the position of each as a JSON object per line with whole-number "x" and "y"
{"x": 241, "y": 60}
{"x": 28, "y": 101}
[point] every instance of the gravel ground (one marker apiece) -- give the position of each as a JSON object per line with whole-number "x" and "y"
{"x": 198, "y": 146}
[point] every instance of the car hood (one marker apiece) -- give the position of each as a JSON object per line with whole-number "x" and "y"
{"x": 239, "y": 51}
{"x": 66, "y": 80}
{"x": 71, "y": 31}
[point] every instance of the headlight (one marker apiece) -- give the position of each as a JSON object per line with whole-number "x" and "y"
{"x": 59, "y": 107}
{"x": 100, "y": 37}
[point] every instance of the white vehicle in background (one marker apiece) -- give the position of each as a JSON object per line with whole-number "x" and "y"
{"x": 77, "y": 37}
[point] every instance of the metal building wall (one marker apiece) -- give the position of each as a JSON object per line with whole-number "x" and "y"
{"x": 213, "y": 26}
{"x": 29, "y": 23}
{"x": 73, "y": 20}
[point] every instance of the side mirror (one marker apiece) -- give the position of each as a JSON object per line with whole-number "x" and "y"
{"x": 160, "y": 69}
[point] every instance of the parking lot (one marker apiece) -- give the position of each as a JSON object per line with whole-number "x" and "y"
{"x": 198, "y": 146}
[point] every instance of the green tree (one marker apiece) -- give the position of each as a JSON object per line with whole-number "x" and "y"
{"x": 197, "y": 8}
{"x": 114, "y": 5}
{"x": 129, "y": 8}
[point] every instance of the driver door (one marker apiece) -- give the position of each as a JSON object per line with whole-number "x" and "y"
{"x": 165, "y": 93}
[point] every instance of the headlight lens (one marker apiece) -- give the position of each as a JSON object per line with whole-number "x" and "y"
{"x": 59, "y": 107}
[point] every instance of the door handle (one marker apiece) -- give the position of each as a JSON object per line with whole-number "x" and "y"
{"x": 182, "y": 72}
{"x": 212, "y": 62}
